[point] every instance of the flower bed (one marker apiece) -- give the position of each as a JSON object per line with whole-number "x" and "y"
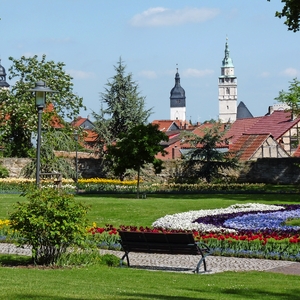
{"x": 247, "y": 230}
{"x": 104, "y": 185}
{"x": 91, "y": 185}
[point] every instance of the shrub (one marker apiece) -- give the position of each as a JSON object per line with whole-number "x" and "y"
{"x": 50, "y": 222}
{"x": 3, "y": 172}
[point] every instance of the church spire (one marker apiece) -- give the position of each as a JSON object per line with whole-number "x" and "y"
{"x": 227, "y": 61}
{"x": 227, "y": 89}
{"x": 177, "y": 100}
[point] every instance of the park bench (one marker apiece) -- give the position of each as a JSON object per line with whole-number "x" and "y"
{"x": 55, "y": 177}
{"x": 163, "y": 243}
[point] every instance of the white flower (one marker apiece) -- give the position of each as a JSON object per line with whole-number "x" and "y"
{"x": 184, "y": 221}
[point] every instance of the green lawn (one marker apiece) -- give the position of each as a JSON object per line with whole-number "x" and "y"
{"x": 127, "y": 210}
{"x": 122, "y": 283}
{"x": 102, "y": 282}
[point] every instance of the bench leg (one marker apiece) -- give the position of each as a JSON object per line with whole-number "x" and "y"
{"x": 127, "y": 258}
{"x": 199, "y": 264}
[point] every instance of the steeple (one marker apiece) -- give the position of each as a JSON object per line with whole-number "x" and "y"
{"x": 227, "y": 61}
{"x": 3, "y": 83}
{"x": 227, "y": 89}
{"x": 177, "y": 100}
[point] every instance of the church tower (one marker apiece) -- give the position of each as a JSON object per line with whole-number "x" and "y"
{"x": 3, "y": 83}
{"x": 177, "y": 101}
{"x": 227, "y": 90}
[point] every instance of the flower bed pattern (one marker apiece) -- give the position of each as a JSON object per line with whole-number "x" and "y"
{"x": 243, "y": 230}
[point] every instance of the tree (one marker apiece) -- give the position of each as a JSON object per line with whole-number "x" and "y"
{"x": 205, "y": 160}
{"x": 124, "y": 107}
{"x": 292, "y": 97}
{"x": 18, "y": 116}
{"x": 50, "y": 221}
{"x": 50, "y": 162}
{"x": 290, "y": 10}
{"x": 136, "y": 148}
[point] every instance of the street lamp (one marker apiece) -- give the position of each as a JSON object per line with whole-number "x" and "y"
{"x": 76, "y": 158}
{"x": 40, "y": 102}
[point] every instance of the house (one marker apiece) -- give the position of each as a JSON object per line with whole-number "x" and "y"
{"x": 273, "y": 135}
{"x": 279, "y": 124}
{"x": 90, "y": 137}
{"x": 254, "y": 146}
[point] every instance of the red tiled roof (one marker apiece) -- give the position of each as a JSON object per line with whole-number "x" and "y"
{"x": 56, "y": 121}
{"x": 78, "y": 122}
{"x": 164, "y": 125}
{"x": 248, "y": 144}
{"x": 239, "y": 127}
{"x": 90, "y": 136}
{"x": 276, "y": 124}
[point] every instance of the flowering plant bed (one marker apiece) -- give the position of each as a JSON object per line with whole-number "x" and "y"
{"x": 247, "y": 230}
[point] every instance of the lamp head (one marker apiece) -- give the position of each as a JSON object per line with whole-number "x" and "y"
{"x": 40, "y": 93}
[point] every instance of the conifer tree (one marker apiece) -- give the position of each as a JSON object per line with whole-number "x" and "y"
{"x": 204, "y": 160}
{"x": 122, "y": 107}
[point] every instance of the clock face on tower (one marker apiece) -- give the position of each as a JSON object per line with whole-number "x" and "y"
{"x": 227, "y": 71}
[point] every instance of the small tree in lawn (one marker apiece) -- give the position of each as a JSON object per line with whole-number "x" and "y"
{"x": 136, "y": 148}
{"x": 205, "y": 160}
{"x": 50, "y": 222}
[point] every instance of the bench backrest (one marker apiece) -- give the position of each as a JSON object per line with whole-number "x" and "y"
{"x": 152, "y": 242}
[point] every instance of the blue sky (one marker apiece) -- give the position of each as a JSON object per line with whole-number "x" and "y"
{"x": 152, "y": 37}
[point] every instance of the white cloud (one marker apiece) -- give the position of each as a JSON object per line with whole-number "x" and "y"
{"x": 160, "y": 16}
{"x": 148, "y": 74}
{"x": 77, "y": 74}
{"x": 264, "y": 74}
{"x": 291, "y": 72}
{"x": 197, "y": 73}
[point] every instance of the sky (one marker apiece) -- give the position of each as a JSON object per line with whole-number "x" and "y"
{"x": 153, "y": 38}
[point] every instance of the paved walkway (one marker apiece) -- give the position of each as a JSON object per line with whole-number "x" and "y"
{"x": 187, "y": 263}
{"x": 215, "y": 264}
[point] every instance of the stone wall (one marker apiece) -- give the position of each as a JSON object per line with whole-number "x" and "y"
{"x": 264, "y": 170}
{"x": 14, "y": 165}
{"x": 272, "y": 170}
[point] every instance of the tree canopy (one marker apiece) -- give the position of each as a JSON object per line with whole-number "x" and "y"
{"x": 291, "y": 11}
{"x": 18, "y": 116}
{"x": 292, "y": 97}
{"x": 135, "y": 148}
{"x": 122, "y": 107}
{"x": 205, "y": 160}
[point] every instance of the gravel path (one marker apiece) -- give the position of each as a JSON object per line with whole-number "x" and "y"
{"x": 187, "y": 263}
{"x": 215, "y": 264}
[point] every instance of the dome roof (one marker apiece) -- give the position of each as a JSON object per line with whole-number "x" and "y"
{"x": 3, "y": 83}
{"x": 177, "y": 91}
{"x": 2, "y": 70}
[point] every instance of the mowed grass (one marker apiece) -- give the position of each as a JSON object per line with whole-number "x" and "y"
{"x": 102, "y": 282}
{"x": 123, "y": 283}
{"x": 127, "y": 210}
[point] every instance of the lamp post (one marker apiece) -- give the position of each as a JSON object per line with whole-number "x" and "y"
{"x": 76, "y": 159}
{"x": 40, "y": 102}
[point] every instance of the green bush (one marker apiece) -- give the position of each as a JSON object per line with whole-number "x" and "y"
{"x": 51, "y": 221}
{"x": 3, "y": 172}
